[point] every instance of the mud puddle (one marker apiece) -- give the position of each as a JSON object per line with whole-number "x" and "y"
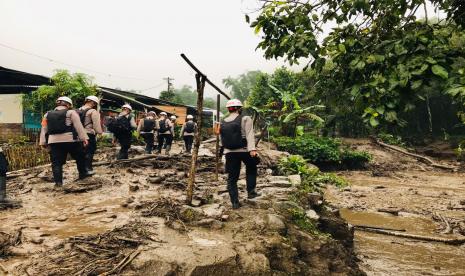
{"x": 386, "y": 255}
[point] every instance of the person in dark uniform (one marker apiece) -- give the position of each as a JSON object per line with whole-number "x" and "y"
{"x": 238, "y": 141}
{"x": 146, "y": 129}
{"x": 64, "y": 133}
{"x": 90, "y": 118}
{"x": 3, "y": 170}
{"x": 124, "y": 137}
{"x": 187, "y": 132}
{"x": 165, "y": 132}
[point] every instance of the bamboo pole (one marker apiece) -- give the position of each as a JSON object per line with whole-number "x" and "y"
{"x": 217, "y": 171}
{"x": 200, "y": 80}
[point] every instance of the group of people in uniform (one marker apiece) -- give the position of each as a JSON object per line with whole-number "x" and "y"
{"x": 74, "y": 131}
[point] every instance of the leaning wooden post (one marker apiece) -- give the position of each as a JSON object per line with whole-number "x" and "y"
{"x": 200, "y": 80}
{"x": 217, "y": 136}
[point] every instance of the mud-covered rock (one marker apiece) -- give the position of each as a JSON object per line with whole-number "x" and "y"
{"x": 337, "y": 227}
{"x": 275, "y": 223}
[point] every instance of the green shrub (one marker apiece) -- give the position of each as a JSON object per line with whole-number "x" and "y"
{"x": 323, "y": 151}
{"x": 391, "y": 139}
{"x": 355, "y": 159}
{"x": 294, "y": 164}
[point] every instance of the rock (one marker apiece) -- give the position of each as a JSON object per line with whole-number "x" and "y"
{"x": 272, "y": 178}
{"x": 275, "y": 223}
{"x": 196, "y": 202}
{"x": 311, "y": 214}
{"x": 281, "y": 183}
{"x": 224, "y": 217}
{"x": 156, "y": 179}
{"x": 62, "y": 218}
{"x": 189, "y": 214}
{"x": 135, "y": 181}
{"x": 269, "y": 171}
{"x": 133, "y": 188}
{"x": 255, "y": 264}
{"x": 270, "y": 158}
{"x": 213, "y": 210}
{"x": 209, "y": 223}
{"x": 259, "y": 203}
{"x": 462, "y": 202}
{"x": 295, "y": 179}
{"x": 130, "y": 200}
{"x": 314, "y": 200}
{"x": 37, "y": 240}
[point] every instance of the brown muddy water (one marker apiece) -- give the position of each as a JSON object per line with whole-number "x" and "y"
{"x": 386, "y": 255}
{"x": 418, "y": 196}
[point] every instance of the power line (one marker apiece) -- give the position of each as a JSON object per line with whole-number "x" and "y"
{"x": 156, "y": 86}
{"x": 71, "y": 65}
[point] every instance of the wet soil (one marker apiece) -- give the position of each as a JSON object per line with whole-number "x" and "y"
{"x": 129, "y": 219}
{"x": 416, "y": 197}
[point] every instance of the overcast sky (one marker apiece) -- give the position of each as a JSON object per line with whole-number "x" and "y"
{"x": 131, "y": 44}
{"x": 138, "y": 42}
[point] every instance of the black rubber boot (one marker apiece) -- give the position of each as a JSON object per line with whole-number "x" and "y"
{"x": 3, "y": 197}
{"x": 89, "y": 161}
{"x": 251, "y": 181}
{"x": 57, "y": 175}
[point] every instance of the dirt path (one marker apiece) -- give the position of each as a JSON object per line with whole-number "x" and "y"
{"x": 131, "y": 221}
{"x": 420, "y": 195}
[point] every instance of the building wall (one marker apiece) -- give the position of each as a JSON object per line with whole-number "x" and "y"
{"x": 11, "y": 109}
{"x": 11, "y": 116}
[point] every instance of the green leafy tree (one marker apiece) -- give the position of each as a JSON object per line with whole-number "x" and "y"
{"x": 242, "y": 85}
{"x": 76, "y": 86}
{"x": 379, "y": 60}
{"x": 169, "y": 96}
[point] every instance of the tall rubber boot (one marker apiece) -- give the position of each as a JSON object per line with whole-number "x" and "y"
{"x": 251, "y": 181}
{"x": 57, "y": 175}
{"x": 89, "y": 161}
{"x": 3, "y": 198}
{"x": 168, "y": 148}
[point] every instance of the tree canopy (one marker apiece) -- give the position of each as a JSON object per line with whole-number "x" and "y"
{"x": 380, "y": 56}
{"x": 76, "y": 86}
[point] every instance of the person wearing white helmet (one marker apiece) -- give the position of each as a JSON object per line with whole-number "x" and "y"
{"x": 187, "y": 132}
{"x": 90, "y": 119}
{"x": 63, "y": 132}
{"x": 238, "y": 142}
{"x": 165, "y": 129}
{"x": 122, "y": 128}
{"x": 146, "y": 129}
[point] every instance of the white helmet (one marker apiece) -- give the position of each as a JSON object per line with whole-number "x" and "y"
{"x": 163, "y": 114}
{"x": 127, "y": 106}
{"x": 173, "y": 117}
{"x": 93, "y": 98}
{"x": 152, "y": 113}
{"x": 65, "y": 99}
{"x": 189, "y": 117}
{"x": 234, "y": 103}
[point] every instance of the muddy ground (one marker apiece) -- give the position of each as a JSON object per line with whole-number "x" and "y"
{"x": 130, "y": 219}
{"x": 420, "y": 199}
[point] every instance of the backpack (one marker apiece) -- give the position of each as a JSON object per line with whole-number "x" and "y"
{"x": 82, "y": 115}
{"x": 189, "y": 127}
{"x": 163, "y": 126}
{"x": 119, "y": 125}
{"x": 56, "y": 122}
{"x": 231, "y": 134}
{"x": 149, "y": 125}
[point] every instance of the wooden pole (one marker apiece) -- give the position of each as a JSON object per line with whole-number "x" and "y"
{"x": 200, "y": 80}
{"x": 202, "y": 74}
{"x": 217, "y": 137}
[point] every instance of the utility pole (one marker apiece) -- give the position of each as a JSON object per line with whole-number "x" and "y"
{"x": 168, "y": 80}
